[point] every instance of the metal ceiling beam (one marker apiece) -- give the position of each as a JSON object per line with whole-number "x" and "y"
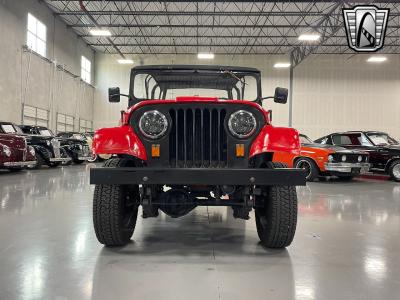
{"x": 209, "y": 45}
{"x": 188, "y": 13}
{"x": 327, "y": 27}
{"x": 110, "y": 25}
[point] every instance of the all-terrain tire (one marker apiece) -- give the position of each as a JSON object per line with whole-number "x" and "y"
{"x": 309, "y": 165}
{"x": 115, "y": 209}
{"x": 276, "y": 219}
{"x": 394, "y": 170}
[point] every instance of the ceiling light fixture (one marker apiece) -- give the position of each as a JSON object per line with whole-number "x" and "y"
{"x": 309, "y": 37}
{"x": 281, "y": 65}
{"x": 205, "y": 55}
{"x": 376, "y": 59}
{"x": 125, "y": 61}
{"x": 100, "y": 32}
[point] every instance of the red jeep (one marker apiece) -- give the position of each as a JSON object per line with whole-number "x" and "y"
{"x": 211, "y": 148}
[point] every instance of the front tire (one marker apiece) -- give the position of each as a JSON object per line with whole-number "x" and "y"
{"x": 394, "y": 170}
{"x": 276, "y": 214}
{"x": 115, "y": 209}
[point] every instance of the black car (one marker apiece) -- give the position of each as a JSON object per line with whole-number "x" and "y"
{"x": 384, "y": 151}
{"x": 76, "y": 145}
{"x": 74, "y": 150}
{"x": 48, "y": 149}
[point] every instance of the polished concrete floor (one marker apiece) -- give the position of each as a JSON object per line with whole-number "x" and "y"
{"x": 347, "y": 246}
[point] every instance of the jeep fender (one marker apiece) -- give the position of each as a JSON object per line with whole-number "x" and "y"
{"x": 276, "y": 139}
{"x": 118, "y": 140}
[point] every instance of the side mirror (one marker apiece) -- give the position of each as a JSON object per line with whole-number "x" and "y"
{"x": 281, "y": 95}
{"x": 114, "y": 94}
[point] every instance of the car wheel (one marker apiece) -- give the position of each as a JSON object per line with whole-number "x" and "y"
{"x": 276, "y": 214}
{"x": 93, "y": 158}
{"x": 39, "y": 162}
{"x": 115, "y": 209}
{"x": 394, "y": 170}
{"x": 309, "y": 166}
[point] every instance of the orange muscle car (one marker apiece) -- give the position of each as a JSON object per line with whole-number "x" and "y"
{"x": 325, "y": 160}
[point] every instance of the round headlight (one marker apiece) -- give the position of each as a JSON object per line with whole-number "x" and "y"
{"x": 48, "y": 143}
{"x": 359, "y": 158}
{"x": 7, "y": 150}
{"x": 153, "y": 124}
{"x": 330, "y": 158}
{"x": 31, "y": 150}
{"x": 344, "y": 157}
{"x": 242, "y": 124}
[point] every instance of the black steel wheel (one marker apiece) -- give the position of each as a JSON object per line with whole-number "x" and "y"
{"x": 276, "y": 214}
{"x": 309, "y": 166}
{"x": 115, "y": 209}
{"x": 394, "y": 170}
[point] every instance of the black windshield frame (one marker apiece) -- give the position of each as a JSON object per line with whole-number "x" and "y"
{"x": 181, "y": 73}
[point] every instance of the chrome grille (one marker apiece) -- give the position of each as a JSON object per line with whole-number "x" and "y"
{"x": 56, "y": 148}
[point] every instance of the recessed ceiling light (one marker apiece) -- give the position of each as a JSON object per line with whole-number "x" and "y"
{"x": 125, "y": 61}
{"x": 309, "y": 37}
{"x": 205, "y": 55}
{"x": 376, "y": 59}
{"x": 280, "y": 65}
{"x": 100, "y": 32}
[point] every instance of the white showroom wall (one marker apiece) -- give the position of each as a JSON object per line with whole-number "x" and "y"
{"x": 28, "y": 78}
{"x": 343, "y": 92}
{"x": 330, "y": 93}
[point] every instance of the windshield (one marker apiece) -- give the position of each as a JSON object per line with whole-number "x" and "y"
{"x": 45, "y": 132}
{"x": 305, "y": 139}
{"x": 171, "y": 83}
{"x": 354, "y": 139}
{"x": 10, "y": 128}
{"x": 381, "y": 139}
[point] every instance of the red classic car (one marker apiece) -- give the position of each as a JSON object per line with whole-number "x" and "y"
{"x": 15, "y": 154}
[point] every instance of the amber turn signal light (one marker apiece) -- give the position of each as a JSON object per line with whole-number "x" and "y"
{"x": 155, "y": 150}
{"x": 240, "y": 150}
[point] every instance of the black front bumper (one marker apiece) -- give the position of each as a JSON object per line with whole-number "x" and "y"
{"x": 200, "y": 176}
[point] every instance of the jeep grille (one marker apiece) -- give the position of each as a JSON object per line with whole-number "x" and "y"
{"x": 197, "y": 138}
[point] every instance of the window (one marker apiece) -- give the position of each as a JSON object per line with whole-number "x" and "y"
{"x": 85, "y": 125}
{"x": 85, "y": 69}
{"x": 36, "y": 35}
{"x": 35, "y": 116}
{"x": 65, "y": 122}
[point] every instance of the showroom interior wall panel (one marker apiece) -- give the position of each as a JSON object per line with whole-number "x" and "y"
{"x": 109, "y": 73}
{"x": 30, "y": 78}
{"x": 344, "y": 92}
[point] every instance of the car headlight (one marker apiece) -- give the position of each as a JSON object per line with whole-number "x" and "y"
{"x": 153, "y": 124}
{"x": 330, "y": 158}
{"x": 31, "y": 150}
{"x": 359, "y": 158}
{"x": 7, "y": 150}
{"x": 48, "y": 143}
{"x": 242, "y": 124}
{"x": 344, "y": 157}
{"x": 80, "y": 147}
